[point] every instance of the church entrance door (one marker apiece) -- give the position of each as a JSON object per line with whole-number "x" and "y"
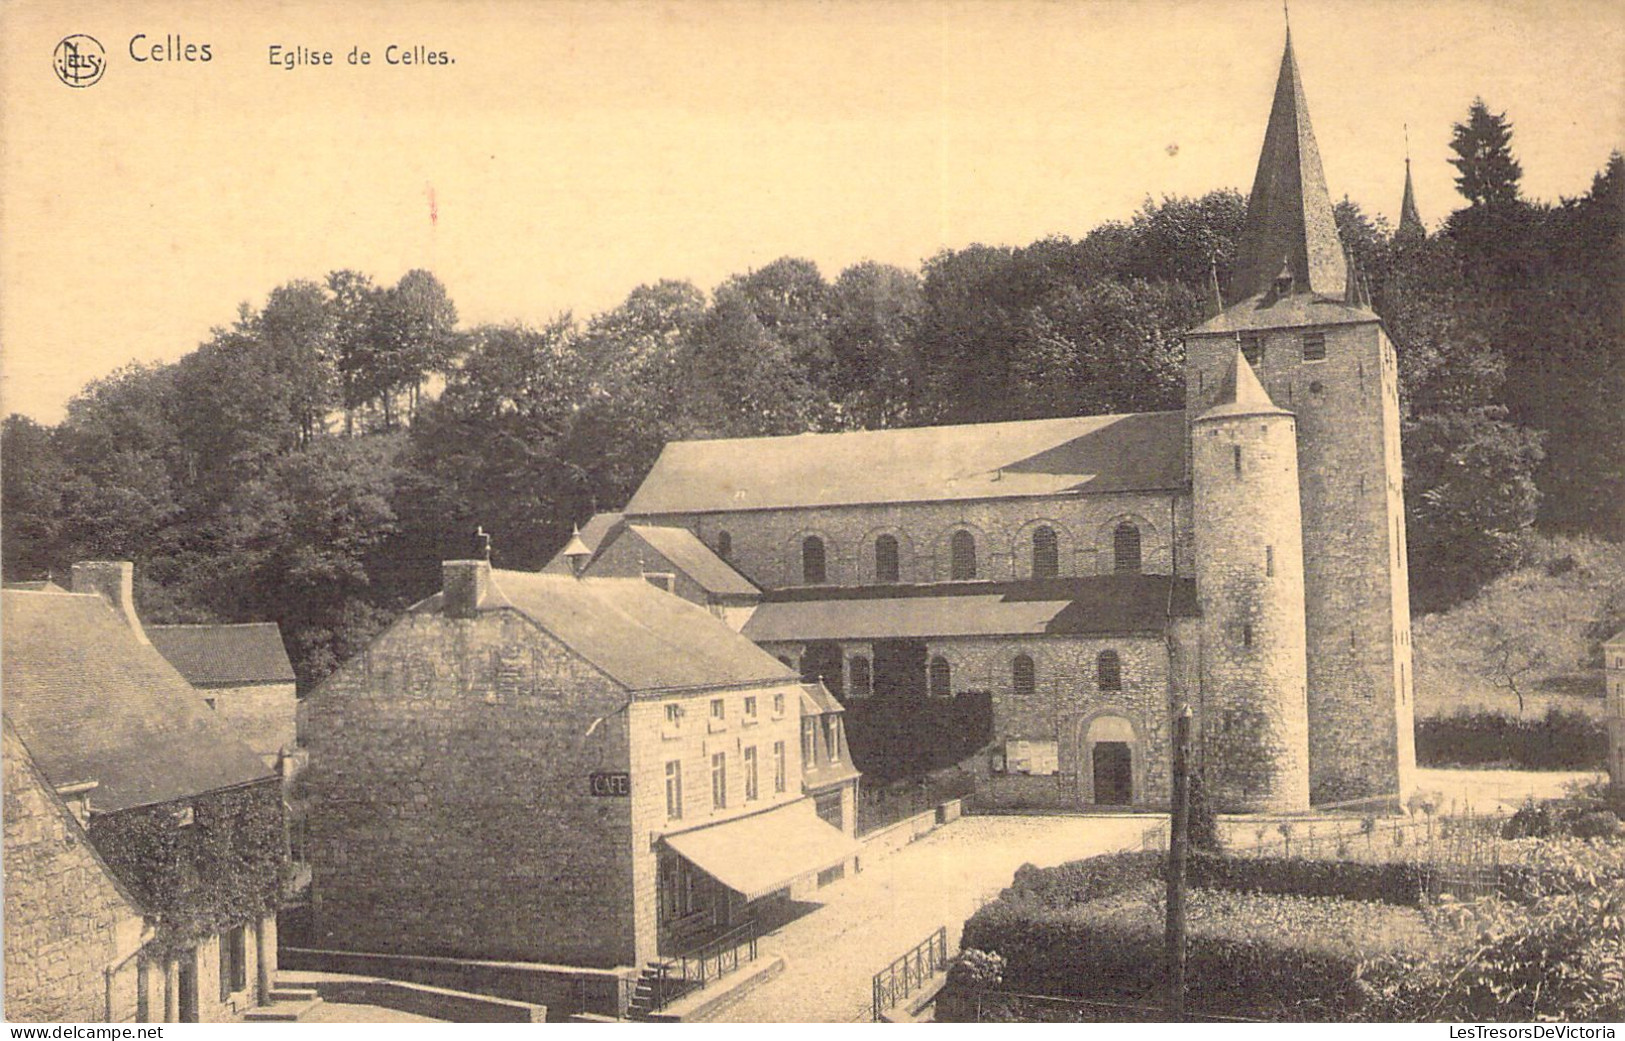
{"x": 1114, "y": 774}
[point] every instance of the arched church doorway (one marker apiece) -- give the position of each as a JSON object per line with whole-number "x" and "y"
{"x": 1108, "y": 756}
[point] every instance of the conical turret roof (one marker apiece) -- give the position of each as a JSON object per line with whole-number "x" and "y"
{"x": 1241, "y": 394}
{"x": 1289, "y": 213}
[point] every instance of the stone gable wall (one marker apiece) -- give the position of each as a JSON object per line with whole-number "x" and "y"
{"x": 451, "y": 815}
{"x": 65, "y": 919}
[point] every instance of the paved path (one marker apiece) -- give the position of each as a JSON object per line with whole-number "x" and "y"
{"x": 867, "y": 920}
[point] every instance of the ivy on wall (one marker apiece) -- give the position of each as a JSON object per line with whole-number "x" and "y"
{"x": 224, "y": 868}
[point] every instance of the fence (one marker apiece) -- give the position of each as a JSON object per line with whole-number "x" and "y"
{"x": 910, "y": 973}
{"x": 882, "y": 805}
{"x": 991, "y": 1006}
{"x": 691, "y": 971}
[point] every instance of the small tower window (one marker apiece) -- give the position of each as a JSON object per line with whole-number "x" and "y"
{"x": 1126, "y": 549}
{"x": 1235, "y": 454}
{"x": 1023, "y": 676}
{"x": 860, "y": 676}
{"x": 1046, "y": 552}
{"x": 1252, "y": 348}
{"x": 940, "y": 678}
{"x": 962, "y": 556}
{"x": 886, "y": 568}
{"x": 1314, "y": 346}
{"x": 1247, "y": 635}
{"x": 812, "y": 560}
{"x": 1109, "y": 671}
{"x": 1269, "y": 560}
{"x": 725, "y": 545}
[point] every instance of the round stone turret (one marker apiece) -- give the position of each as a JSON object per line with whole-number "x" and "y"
{"x": 1251, "y": 700}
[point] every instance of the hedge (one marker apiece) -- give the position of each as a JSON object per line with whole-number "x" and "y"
{"x": 1083, "y": 880}
{"x": 1394, "y": 882}
{"x": 1558, "y": 741}
{"x": 1248, "y": 955}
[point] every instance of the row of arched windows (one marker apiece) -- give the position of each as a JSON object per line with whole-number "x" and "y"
{"x": 962, "y": 555}
{"x": 1023, "y": 675}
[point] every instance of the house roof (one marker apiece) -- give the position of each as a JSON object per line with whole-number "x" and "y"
{"x": 94, "y": 703}
{"x": 1094, "y": 605}
{"x": 222, "y": 655}
{"x": 695, "y": 559}
{"x": 818, "y": 701}
{"x": 1073, "y": 454}
{"x": 1616, "y": 640}
{"x": 593, "y": 533}
{"x": 1289, "y": 224}
{"x": 43, "y": 585}
{"x": 641, "y": 637}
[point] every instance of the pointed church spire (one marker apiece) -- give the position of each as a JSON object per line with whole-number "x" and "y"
{"x": 1410, "y": 221}
{"x": 1289, "y": 214}
{"x": 1351, "y": 284}
{"x": 1215, "y": 299}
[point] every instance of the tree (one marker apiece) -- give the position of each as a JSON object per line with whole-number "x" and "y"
{"x": 874, "y": 320}
{"x": 1487, "y": 174}
{"x": 296, "y": 331}
{"x": 742, "y": 381}
{"x": 32, "y": 473}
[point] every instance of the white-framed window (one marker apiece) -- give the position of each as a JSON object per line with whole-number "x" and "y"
{"x": 779, "y": 774}
{"x": 719, "y": 781}
{"x": 750, "y": 709}
{"x": 752, "y": 792}
{"x": 674, "y": 790}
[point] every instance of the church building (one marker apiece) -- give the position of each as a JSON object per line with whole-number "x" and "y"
{"x": 1091, "y": 575}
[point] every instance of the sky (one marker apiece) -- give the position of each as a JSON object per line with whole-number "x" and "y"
{"x": 573, "y": 151}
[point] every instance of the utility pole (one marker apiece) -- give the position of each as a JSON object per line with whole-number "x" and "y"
{"x": 1178, "y": 844}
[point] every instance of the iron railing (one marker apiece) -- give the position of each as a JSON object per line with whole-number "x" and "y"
{"x": 692, "y": 970}
{"x": 909, "y": 973}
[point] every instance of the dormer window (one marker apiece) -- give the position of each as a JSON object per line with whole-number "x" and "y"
{"x": 1252, "y": 348}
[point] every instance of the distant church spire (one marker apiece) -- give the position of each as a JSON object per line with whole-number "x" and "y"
{"x": 1289, "y": 214}
{"x": 1410, "y": 221}
{"x": 1215, "y": 299}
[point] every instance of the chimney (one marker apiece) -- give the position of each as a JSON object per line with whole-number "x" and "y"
{"x": 115, "y": 581}
{"x": 463, "y": 583}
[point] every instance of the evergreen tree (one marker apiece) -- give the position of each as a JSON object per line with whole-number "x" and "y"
{"x": 1488, "y": 173}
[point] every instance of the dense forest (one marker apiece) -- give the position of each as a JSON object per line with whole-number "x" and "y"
{"x": 313, "y": 461}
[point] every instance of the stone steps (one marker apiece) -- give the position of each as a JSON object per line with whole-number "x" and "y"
{"x": 288, "y": 1005}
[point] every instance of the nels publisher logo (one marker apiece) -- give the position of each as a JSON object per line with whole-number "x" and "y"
{"x": 79, "y": 60}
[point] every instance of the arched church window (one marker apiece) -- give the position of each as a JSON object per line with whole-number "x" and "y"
{"x": 940, "y": 678}
{"x": 1046, "y": 552}
{"x": 812, "y": 560}
{"x": 1109, "y": 671}
{"x": 962, "y": 556}
{"x": 861, "y": 677}
{"x": 886, "y": 559}
{"x": 1126, "y": 549}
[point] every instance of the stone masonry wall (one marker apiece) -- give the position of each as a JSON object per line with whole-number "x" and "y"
{"x": 1253, "y": 716}
{"x": 449, "y": 772}
{"x": 1355, "y": 579}
{"x": 263, "y": 714}
{"x": 766, "y": 544}
{"x": 1066, "y": 698}
{"x": 65, "y": 919}
{"x": 691, "y": 743}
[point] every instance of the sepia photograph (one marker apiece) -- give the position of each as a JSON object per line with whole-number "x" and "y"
{"x": 812, "y": 511}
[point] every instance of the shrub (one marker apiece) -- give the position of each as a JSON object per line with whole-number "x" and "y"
{"x": 1249, "y": 955}
{"x": 1080, "y": 881}
{"x": 1390, "y": 882}
{"x": 1558, "y": 741}
{"x": 1204, "y": 824}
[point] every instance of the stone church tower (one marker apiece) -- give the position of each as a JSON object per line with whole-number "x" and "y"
{"x": 1300, "y": 316}
{"x": 1249, "y": 579}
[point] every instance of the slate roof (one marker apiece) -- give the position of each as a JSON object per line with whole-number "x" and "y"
{"x": 1410, "y": 219}
{"x": 1289, "y": 220}
{"x": 1296, "y": 310}
{"x": 817, "y": 700}
{"x": 1241, "y": 394}
{"x": 224, "y": 655}
{"x": 641, "y": 637}
{"x": 1069, "y": 455}
{"x": 1093, "y": 605}
{"x": 593, "y": 533}
{"x": 94, "y": 703}
{"x": 695, "y": 559}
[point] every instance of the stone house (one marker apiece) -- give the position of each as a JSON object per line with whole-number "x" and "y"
{"x": 582, "y": 771}
{"x": 1244, "y": 556}
{"x": 186, "y": 818}
{"x": 244, "y": 674}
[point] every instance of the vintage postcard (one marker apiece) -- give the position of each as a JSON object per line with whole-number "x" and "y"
{"x": 730, "y": 511}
